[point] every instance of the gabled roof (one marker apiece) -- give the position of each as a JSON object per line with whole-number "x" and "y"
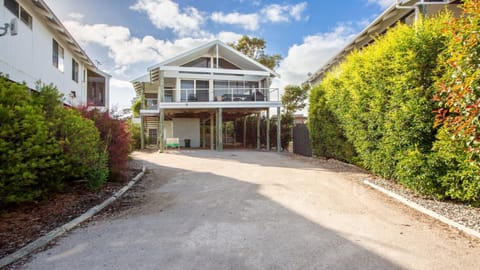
{"x": 224, "y": 51}
{"x": 49, "y": 19}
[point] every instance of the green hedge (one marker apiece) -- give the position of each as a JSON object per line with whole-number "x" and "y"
{"x": 377, "y": 109}
{"x": 43, "y": 145}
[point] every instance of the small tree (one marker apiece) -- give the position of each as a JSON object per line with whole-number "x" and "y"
{"x": 294, "y": 98}
{"x": 255, "y": 49}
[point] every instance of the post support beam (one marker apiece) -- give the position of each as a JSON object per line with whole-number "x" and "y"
{"x": 245, "y": 132}
{"x": 212, "y": 132}
{"x": 161, "y": 127}
{"x": 258, "y": 131}
{"x": 279, "y": 130}
{"x": 220, "y": 130}
{"x": 268, "y": 129}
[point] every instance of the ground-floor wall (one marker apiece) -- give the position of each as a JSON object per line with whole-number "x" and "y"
{"x": 181, "y": 128}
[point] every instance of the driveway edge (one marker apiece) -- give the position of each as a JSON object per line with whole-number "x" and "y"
{"x": 424, "y": 210}
{"x": 42, "y": 241}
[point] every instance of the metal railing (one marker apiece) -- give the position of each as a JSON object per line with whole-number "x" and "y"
{"x": 217, "y": 95}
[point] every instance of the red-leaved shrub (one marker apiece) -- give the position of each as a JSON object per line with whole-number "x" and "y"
{"x": 115, "y": 136}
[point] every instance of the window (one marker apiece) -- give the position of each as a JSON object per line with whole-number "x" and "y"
{"x": 74, "y": 70}
{"x": 25, "y": 17}
{"x": 12, "y": 5}
{"x": 57, "y": 55}
{"x": 95, "y": 89}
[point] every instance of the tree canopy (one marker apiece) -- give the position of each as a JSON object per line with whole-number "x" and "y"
{"x": 294, "y": 98}
{"x": 255, "y": 48}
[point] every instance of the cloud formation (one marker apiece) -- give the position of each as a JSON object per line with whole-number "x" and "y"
{"x": 382, "y": 3}
{"x": 166, "y": 14}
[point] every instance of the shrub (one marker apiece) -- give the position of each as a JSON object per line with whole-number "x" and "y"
{"x": 29, "y": 154}
{"x": 78, "y": 138}
{"x": 134, "y": 131}
{"x": 116, "y": 139}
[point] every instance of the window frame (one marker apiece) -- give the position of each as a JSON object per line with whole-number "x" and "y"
{"x": 16, "y": 10}
{"x": 58, "y": 56}
{"x": 75, "y": 70}
{"x": 28, "y": 21}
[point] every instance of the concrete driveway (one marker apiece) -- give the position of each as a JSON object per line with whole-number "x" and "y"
{"x": 256, "y": 210}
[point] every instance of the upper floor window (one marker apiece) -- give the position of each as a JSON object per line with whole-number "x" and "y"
{"x": 25, "y": 17}
{"x": 13, "y": 6}
{"x": 75, "y": 70}
{"x": 57, "y": 55}
{"x": 18, "y": 11}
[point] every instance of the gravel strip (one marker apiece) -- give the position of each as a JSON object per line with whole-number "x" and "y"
{"x": 464, "y": 214}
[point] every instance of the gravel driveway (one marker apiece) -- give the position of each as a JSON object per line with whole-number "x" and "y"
{"x": 256, "y": 210}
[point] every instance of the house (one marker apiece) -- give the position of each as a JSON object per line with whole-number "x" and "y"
{"x": 41, "y": 49}
{"x": 192, "y": 95}
{"x": 406, "y": 11}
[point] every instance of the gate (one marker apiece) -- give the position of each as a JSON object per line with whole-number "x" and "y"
{"x": 301, "y": 140}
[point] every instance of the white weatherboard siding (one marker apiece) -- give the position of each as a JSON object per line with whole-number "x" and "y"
{"x": 27, "y": 57}
{"x": 187, "y": 128}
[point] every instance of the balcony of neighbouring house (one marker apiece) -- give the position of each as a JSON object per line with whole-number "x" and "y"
{"x": 96, "y": 91}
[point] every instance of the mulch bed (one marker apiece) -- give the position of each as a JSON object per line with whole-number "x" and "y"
{"x": 24, "y": 224}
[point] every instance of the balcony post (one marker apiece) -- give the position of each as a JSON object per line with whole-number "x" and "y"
{"x": 142, "y": 106}
{"x": 212, "y": 132}
{"x": 267, "y": 89}
{"x": 258, "y": 131}
{"x": 268, "y": 129}
{"x": 160, "y": 135}
{"x": 220, "y": 131}
{"x": 161, "y": 88}
{"x": 279, "y": 130}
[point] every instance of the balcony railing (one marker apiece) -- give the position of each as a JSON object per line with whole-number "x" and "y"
{"x": 217, "y": 95}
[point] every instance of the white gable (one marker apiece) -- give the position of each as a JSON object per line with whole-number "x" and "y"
{"x": 213, "y": 49}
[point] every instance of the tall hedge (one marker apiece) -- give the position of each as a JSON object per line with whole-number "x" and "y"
{"x": 377, "y": 109}
{"x": 29, "y": 154}
{"x": 44, "y": 145}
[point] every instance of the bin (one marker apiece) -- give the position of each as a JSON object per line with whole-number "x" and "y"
{"x": 187, "y": 143}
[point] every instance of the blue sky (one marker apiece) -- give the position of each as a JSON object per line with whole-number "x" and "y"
{"x": 127, "y": 36}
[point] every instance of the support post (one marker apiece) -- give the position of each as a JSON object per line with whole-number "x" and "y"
{"x": 204, "y": 134}
{"x": 258, "y": 131}
{"x": 220, "y": 131}
{"x": 279, "y": 130}
{"x": 212, "y": 132}
{"x": 268, "y": 129}
{"x": 160, "y": 96}
{"x": 142, "y": 134}
{"x": 245, "y": 132}
{"x": 161, "y": 127}
{"x": 142, "y": 124}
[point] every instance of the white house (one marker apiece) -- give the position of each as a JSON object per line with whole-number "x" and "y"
{"x": 191, "y": 95}
{"x": 43, "y": 50}
{"x": 403, "y": 11}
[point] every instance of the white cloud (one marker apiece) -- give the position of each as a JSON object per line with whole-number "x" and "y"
{"x": 382, "y": 3}
{"x": 309, "y": 56}
{"x": 126, "y": 50}
{"x": 246, "y": 21}
{"x": 273, "y": 13}
{"x": 167, "y": 14}
{"x": 76, "y": 16}
{"x": 283, "y": 13}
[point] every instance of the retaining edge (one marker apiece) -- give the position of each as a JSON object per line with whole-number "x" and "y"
{"x": 424, "y": 210}
{"x": 59, "y": 231}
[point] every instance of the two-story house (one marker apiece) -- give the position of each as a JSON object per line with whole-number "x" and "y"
{"x": 192, "y": 95}
{"x": 41, "y": 49}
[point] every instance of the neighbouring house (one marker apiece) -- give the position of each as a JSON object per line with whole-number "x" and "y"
{"x": 403, "y": 11}
{"x": 190, "y": 98}
{"x": 41, "y": 49}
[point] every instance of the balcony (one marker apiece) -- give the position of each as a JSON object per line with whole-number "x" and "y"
{"x": 204, "y": 98}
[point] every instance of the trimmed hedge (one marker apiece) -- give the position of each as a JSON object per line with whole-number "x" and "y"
{"x": 377, "y": 109}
